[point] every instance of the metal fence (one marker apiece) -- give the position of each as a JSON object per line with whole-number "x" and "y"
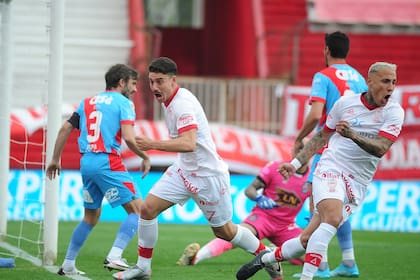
{"x": 251, "y": 104}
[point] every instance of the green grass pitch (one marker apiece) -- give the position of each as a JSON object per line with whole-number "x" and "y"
{"x": 380, "y": 255}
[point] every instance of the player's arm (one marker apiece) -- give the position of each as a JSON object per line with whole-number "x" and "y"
{"x": 252, "y": 190}
{"x": 262, "y": 201}
{"x": 54, "y": 167}
{"x": 127, "y": 132}
{"x": 184, "y": 143}
{"x": 314, "y": 144}
{"x": 309, "y": 124}
{"x": 377, "y": 147}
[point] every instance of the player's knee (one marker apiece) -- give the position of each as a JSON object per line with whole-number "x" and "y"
{"x": 147, "y": 211}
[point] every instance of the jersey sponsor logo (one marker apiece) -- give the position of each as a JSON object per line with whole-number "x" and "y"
{"x": 208, "y": 203}
{"x": 101, "y": 99}
{"x": 193, "y": 189}
{"x": 350, "y": 195}
{"x": 185, "y": 120}
{"x": 287, "y": 198}
{"x": 394, "y": 129}
{"x": 356, "y": 122}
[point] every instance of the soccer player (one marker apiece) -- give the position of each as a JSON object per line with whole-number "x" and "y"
{"x": 198, "y": 173}
{"x": 273, "y": 216}
{"x": 103, "y": 121}
{"x": 359, "y": 130}
{"x": 328, "y": 85}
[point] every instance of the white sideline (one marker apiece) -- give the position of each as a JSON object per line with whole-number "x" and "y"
{"x": 24, "y": 255}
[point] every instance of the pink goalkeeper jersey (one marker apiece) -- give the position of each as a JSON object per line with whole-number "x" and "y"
{"x": 290, "y": 194}
{"x": 367, "y": 121}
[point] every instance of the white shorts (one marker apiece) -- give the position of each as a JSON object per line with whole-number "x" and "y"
{"x": 330, "y": 182}
{"x": 210, "y": 193}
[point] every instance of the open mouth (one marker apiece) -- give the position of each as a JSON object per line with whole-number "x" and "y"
{"x": 158, "y": 95}
{"x": 387, "y": 97}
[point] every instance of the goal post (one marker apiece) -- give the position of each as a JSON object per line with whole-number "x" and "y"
{"x": 55, "y": 97}
{"x": 48, "y": 221}
{"x": 6, "y": 89}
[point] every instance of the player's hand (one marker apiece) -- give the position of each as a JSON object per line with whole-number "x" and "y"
{"x": 53, "y": 170}
{"x": 344, "y": 129}
{"x": 265, "y": 202}
{"x": 145, "y": 167}
{"x": 286, "y": 170}
{"x": 143, "y": 143}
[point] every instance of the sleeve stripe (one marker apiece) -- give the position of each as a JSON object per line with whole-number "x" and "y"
{"x": 387, "y": 135}
{"x": 327, "y": 129}
{"x": 188, "y": 127}
{"x": 127, "y": 122}
{"x": 316, "y": 99}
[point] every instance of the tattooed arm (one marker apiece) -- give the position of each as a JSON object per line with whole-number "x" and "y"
{"x": 317, "y": 142}
{"x": 314, "y": 144}
{"x": 377, "y": 146}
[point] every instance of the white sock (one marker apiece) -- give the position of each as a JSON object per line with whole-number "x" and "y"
{"x": 148, "y": 235}
{"x": 292, "y": 249}
{"x": 317, "y": 247}
{"x": 115, "y": 253}
{"x": 202, "y": 254}
{"x": 245, "y": 240}
{"x": 69, "y": 265}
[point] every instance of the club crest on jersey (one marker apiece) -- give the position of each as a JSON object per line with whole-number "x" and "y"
{"x": 112, "y": 195}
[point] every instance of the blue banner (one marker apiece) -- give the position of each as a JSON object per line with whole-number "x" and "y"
{"x": 389, "y": 205}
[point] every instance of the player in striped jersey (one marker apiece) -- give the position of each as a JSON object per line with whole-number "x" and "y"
{"x": 103, "y": 121}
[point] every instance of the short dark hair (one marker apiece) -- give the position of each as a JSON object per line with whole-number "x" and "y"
{"x": 118, "y": 72}
{"x": 338, "y": 43}
{"x": 163, "y": 65}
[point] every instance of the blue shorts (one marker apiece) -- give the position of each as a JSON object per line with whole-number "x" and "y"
{"x": 315, "y": 160}
{"x": 104, "y": 175}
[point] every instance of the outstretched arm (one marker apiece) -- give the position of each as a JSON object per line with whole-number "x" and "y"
{"x": 314, "y": 144}
{"x": 184, "y": 143}
{"x": 128, "y": 135}
{"x": 54, "y": 167}
{"x": 262, "y": 201}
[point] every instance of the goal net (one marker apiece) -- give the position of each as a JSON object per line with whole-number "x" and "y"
{"x": 28, "y": 216}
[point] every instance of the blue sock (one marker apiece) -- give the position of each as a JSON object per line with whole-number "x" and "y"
{"x": 80, "y": 234}
{"x": 126, "y": 231}
{"x": 344, "y": 236}
{"x": 345, "y": 241}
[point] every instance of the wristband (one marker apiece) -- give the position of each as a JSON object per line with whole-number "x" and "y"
{"x": 296, "y": 163}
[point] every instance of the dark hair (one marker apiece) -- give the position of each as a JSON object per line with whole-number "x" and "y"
{"x": 163, "y": 65}
{"x": 338, "y": 43}
{"x": 118, "y": 72}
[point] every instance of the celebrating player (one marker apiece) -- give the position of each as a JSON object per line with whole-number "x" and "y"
{"x": 328, "y": 85}
{"x": 198, "y": 173}
{"x": 359, "y": 130}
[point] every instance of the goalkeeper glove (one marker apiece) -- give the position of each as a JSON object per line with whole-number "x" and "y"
{"x": 265, "y": 202}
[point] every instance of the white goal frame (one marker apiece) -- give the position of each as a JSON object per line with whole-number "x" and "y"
{"x": 55, "y": 93}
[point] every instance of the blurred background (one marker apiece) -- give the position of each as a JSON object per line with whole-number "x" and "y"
{"x": 250, "y": 63}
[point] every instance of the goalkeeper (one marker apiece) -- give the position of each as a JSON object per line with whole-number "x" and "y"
{"x": 278, "y": 202}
